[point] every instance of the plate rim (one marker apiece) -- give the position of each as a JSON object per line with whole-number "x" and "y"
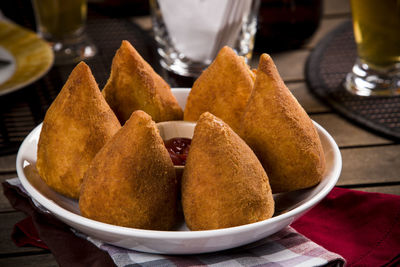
{"x": 39, "y": 75}
{"x": 176, "y": 235}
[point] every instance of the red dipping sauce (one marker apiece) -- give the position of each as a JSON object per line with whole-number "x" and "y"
{"x": 178, "y": 149}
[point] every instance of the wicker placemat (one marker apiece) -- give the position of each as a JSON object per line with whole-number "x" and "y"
{"x": 326, "y": 69}
{"x": 21, "y": 111}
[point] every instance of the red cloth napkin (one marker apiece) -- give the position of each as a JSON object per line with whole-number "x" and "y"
{"x": 362, "y": 227}
{"x": 25, "y": 234}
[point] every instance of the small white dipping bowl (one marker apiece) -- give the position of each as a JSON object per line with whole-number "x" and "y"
{"x": 176, "y": 129}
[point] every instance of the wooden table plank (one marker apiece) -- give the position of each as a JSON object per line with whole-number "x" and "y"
{"x": 144, "y": 22}
{"x": 392, "y": 189}
{"x": 336, "y": 7}
{"x": 346, "y": 133}
{"x": 7, "y": 163}
{"x": 324, "y": 28}
{"x": 308, "y": 101}
{"x": 7, "y": 246}
{"x": 369, "y": 165}
{"x": 45, "y": 260}
{"x": 291, "y": 64}
{"x": 4, "y": 204}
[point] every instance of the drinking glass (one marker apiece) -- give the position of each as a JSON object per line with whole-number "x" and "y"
{"x": 285, "y": 25}
{"x": 376, "y": 26}
{"x": 62, "y": 24}
{"x": 190, "y": 33}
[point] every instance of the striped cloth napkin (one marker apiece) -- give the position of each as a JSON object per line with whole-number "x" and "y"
{"x": 285, "y": 248}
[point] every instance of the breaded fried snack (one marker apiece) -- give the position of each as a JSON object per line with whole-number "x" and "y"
{"x": 77, "y": 124}
{"x": 223, "y": 183}
{"x": 134, "y": 85}
{"x": 131, "y": 181}
{"x": 222, "y": 89}
{"x": 281, "y": 134}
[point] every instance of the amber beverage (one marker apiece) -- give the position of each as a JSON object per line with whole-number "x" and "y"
{"x": 376, "y": 71}
{"x": 60, "y": 18}
{"x": 62, "y": 24}
{"x": 377, "y": 31}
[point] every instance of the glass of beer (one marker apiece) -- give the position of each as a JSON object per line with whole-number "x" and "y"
{"x": 62, "y": 24}
{"x": 377, "y": 34}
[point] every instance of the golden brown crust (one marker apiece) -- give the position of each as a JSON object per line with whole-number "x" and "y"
{"x": 133, "y": 85}
{"x": 281, "y": 134}
{"x": 131, "y": 181}
{"x": 77, "y": 124}
{"x": 222, "y": 89}
{"x": 223, "y": 184}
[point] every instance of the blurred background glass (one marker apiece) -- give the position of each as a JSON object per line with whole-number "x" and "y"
{"x": 189, "y": 34}
{"x": 62, "y": 24}
{"x": 286, "y": 24}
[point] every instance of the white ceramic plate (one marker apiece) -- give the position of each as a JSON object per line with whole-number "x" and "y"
{"x": 289, "y": 207}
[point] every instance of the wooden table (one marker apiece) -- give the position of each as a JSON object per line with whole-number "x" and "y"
{"x": 370, "y": 162}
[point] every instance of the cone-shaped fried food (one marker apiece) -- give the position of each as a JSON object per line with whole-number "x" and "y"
{"x": 281, "y": 134}
{"x": 133, "y": 85}
{"x": 222, "y": 89}
{"x": 131, "y": 181}
{"x": 223, "y": 184}
{"x": 77, "y": 124}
